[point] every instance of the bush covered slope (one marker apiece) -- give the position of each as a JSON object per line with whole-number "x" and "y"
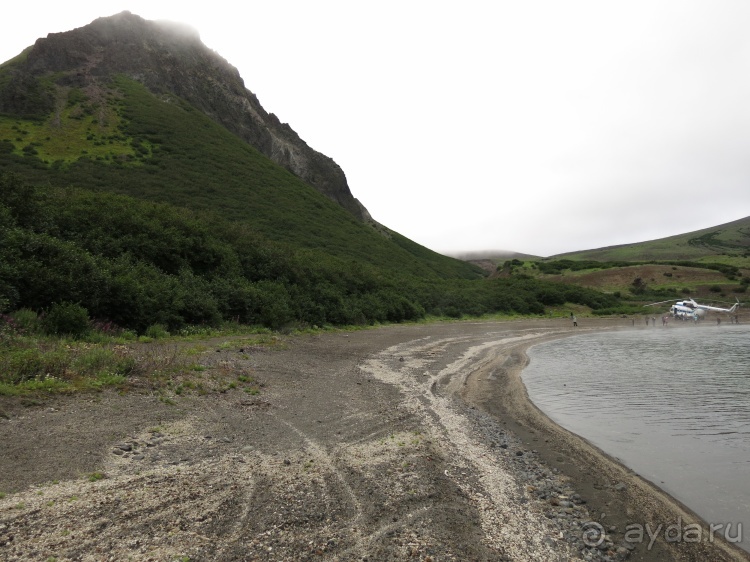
{"x": 139, "y": 263}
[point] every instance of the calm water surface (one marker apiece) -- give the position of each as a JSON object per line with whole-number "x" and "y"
{"x": 671, "y": 403}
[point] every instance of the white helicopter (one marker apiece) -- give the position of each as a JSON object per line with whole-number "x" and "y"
{"x": 691, "y": 310}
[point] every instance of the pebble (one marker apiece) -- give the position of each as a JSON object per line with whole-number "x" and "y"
{"x": 565, "y": 508}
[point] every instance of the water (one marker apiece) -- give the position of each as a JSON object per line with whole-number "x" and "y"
{"x": 673, "y": 404}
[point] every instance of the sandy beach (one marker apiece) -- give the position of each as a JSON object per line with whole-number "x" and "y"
{"x": 402, "y": 442}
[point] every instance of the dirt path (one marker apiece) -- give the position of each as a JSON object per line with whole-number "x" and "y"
{"x": 406, "y": 442}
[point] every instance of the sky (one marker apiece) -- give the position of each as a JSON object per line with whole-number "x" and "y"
{"x": 538, "y": 127}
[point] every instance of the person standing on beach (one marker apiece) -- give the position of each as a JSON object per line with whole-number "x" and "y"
{"x": 575, "y": 320}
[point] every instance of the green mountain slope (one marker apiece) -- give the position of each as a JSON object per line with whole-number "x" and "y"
{"x": 139, "y": 263}
{"x": 161, "y": 149}
{"x": 725, "y": 242}
{"x": 709, "y": 263}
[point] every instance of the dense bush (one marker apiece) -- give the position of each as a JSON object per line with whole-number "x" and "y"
{"x": 67, "y": 319}
{"x": 139, "y": 264}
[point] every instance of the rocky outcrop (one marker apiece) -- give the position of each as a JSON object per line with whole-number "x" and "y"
{"x": 170, "y": 58}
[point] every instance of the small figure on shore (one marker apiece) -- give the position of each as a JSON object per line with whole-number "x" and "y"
{"x": 574, "y": 319}
{"x": 718, "y": 321}
{"x": 653, "y": 321}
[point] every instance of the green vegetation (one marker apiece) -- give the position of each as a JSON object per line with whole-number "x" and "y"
{"x": 730, "y": 242}
{"x": 152, "y": 268}
{"x": 558, "y": 266}
{"x": 32, "y": 361}
{"x": 163, "y": 150}
{"x": 634, "y": 283}
{"x": 96, "y": 476}
{"x": 35, "y": 362}
{"x": 130, "y": 217}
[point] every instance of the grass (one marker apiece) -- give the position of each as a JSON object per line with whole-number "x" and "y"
{"x": 96, "y": 476}
{"x": 35, "y": 364}
{"x": 39, "y": 364}
{"x": 69, "y": 134}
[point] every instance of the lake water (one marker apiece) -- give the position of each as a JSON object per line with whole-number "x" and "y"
{"x": 673, "y": 404}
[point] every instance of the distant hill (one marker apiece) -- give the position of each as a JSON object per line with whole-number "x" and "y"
{"x": 490, "y": 259}
{"x": 731, "y": 239}
{"x": 493, "y": 255}
{"x": 712, "y": 263}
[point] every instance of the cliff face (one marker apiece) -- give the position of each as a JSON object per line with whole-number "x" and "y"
{"x": 169, "y": 58}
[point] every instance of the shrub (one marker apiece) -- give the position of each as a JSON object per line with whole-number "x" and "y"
{"x": 9, "y": 328}
{"x": 93, "y": 361}
{"x": 156, "y": 331}
{"x": 26, "y": 364}
{"x": 638, "y": 287}
{"x": 27, "y": 320}
{"x": 66, "y": 318}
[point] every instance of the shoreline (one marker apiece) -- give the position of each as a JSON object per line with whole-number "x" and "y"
{"x": 405, "y": 442}
{"x": 619, "y": 496}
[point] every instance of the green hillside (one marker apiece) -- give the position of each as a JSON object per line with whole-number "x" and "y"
{"x": 728, "y": 242}
{"x": 159, "y": 148}
{"x": 138, "y": 263}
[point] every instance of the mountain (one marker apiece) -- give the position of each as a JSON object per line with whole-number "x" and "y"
{"x": 144, "y": 109}
{"x": 169, "y": 59}
{"x": 731, "y": 239}
{"x": 141, "y": 181}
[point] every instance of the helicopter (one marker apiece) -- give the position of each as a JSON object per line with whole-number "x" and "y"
{"x": 690, "y": 310}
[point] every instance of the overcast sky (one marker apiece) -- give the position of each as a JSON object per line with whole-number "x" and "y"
{"x": 537, "y": 126}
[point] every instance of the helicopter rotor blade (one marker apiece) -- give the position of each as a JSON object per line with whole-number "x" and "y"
{"x": 662, "y": 302}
